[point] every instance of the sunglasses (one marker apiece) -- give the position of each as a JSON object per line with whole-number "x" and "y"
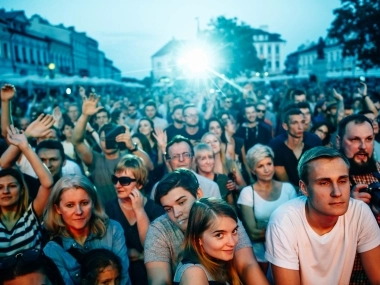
{"x": 26, "y": 256}
{"x": 261, "y": 111}
{"x": 123, "y": 180}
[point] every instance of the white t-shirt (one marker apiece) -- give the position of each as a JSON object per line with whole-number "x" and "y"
{"x": 263, "y": 208}
{"x": 326, "y": 259}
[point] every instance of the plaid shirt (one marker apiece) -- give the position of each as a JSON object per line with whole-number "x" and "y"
{"x": 358, "y": 275}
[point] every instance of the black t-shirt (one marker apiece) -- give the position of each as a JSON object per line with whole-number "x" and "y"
{"x": 195, "y": 138}
{"x": 172, "y": 131}
{"x": 252, "y": 136}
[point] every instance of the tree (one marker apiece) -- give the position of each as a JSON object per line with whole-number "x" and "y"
{"x": 233, "y": 44}
{"x": 357, "y": 28}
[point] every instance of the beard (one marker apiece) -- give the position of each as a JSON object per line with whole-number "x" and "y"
{"x": 362, "y": 168}
{"x": 178, "y": 121}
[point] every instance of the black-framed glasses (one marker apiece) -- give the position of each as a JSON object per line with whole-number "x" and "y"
{"x": 261, "y": 111}
{"x": 177, "y": 157}
{"x": 123, "y": 180}
{"x": 26, "y": 256}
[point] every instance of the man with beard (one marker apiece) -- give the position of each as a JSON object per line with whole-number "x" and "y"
{"x": 251, "y": 131}
{"x": 133, "y": 115}
{"x": 355, "y": 140}
{"x": 176, "y": 127}
{"x": 192, "y": 129}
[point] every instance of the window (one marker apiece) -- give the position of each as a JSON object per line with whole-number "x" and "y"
{"x": 39, "y": 62}
{"x": 269, "y": 50}
{"x": 32, "y": 56}
{"x": 17, "y": 55}
{"x": 277, "y": 64}
{"x": 261, "y": 50}
{"x": 277, "y": 49}
{"x": 24, "y": 54}
{"x": 269, "y": 65}
{"x": 5, "y": 50}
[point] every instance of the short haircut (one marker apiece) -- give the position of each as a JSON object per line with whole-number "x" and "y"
{"x": 303, "y": 105}
{"x": 257, "y": 153}
{"x": 356, "y": 118}
{"x": 132, "y": 105}
{"x": 187, "y": 106}
{"x": 298, "y": 92}
{"x": 178, "y": 139}
{"x": 103, "y": 111}
{"x": 134, "y": 164}
{"x": 249, "y": 106}
{"x": 177, "y": 107}
{"x": 51, "y": 144}
{"x": 180, "y": 177}
{"x": 291, "y": 112}
{"x": 115, "y": 115}
{"x": 150, "y": 103}
{"x": 317, "y": 153}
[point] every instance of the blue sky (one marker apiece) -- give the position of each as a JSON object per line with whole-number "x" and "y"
{"x": 130, "y": 32}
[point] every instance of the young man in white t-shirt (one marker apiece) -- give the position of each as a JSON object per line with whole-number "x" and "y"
{"x": 313, "y": 239}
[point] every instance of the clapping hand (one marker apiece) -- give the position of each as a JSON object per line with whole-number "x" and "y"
{"x": 40, "y": 127}
{"x": 89, "y": 105}
{"x": 7, "y": 92}
{"x": 161, "y": 137}
{"x": 16, "y": 137}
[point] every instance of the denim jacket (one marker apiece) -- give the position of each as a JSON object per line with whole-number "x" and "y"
{"x": 68, "y": 266}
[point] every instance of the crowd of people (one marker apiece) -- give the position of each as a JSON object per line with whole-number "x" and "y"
{"x": 262, "y": 184}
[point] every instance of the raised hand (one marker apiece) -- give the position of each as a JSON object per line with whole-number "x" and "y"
{"x": 7, "y": 92}
{"x": 57, "y": 114}
{"x": 161, "y": 137}
{"x": 16, "y": 137}
{"x": 337, "y": 96}
{"x": 363, "y": 90}
{"x": 40, "y": 127}
{"x": 89, "y": 105}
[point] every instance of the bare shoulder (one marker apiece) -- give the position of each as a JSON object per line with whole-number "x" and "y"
{"x": 194, "y": 273}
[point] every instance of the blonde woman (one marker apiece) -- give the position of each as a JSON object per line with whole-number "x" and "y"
{"x": 77, "y": 222}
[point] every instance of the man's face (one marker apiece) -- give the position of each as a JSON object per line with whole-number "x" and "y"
{"x": 179, "y": 153}
{"x": 260, "y": 110}
{"x": 101, "y": 119}
{"x": 328, "y": 188}
{"x": 348, "y": 112}
{"x": 307, "y": 115}
{"x": 177, "y": 116}
{"x": 150, "y": 112}
{"x": 73, "y": 113}
{"x": 250, "y": 114}
{"x": 228, "y": 103}
{"x": 357, "y": 142}
{"x": 299, "y": 98}
{"x": 131, "y": 110}
{"x": 53, "y": 160}
{"x": 191, "y": 117}
{"x": 177, "y": 204}
{"x": 295, "y": 126}
{"x": 375, "y": 124}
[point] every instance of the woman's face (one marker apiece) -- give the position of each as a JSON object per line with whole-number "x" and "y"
{"x": 213, "y": 142}
{"x": 322, "y": 132}
{"x": 75, "y": 208}
{"x": 108, "y": 276}
{"x": 230, "y": 127}
{"x": 215, "y": 128}
{"x": 145, "y": 128}
{"x": 121, "y": 120}
{"x": 206, "y": 161}
{"x": 264, "y": 169}
{"x": 123, "y": 191}
{"x": 220, "y": 239}
{"x": 10, "y": 191}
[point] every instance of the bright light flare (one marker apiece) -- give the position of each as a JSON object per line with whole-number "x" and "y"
{"x": 68, "y": 91}
{"x": 195, "y": 61}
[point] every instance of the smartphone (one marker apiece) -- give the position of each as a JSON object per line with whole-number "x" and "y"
{"x": 111, "y": 142}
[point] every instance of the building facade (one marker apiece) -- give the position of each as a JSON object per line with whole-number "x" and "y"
{"x": 36, "y": 47}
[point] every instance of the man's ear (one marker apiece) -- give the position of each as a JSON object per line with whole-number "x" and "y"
{"x": 337, "y": 142}
{"x": 303, "y": 188}
{"x": 285, "y": 126}
{"x": 199, "y": 193}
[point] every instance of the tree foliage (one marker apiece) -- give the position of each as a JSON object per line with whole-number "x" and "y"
{"x": 233, "y": 44}
{"x": 357, "y": 28}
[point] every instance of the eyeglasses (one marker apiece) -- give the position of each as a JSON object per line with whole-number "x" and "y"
{"x": 123, "y": 180}
{"x": 261, "y": 111}
{"x": 191, "y": 116}
{"x": 228, "y": 101}
{"x": 177, "y": 157}
{"x": 27, "y": 256}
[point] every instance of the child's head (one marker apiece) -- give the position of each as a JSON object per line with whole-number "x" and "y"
{"x": 100, "y": 266}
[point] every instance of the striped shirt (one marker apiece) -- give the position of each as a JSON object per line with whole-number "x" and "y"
{"x": 25, "y": 234}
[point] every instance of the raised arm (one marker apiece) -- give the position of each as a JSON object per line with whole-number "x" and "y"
{"x": 19, "y": 140}
{"x": 367, "y": 100}
{"x": 340, "y": 110}
{"x": 127, "y": 139}
{"x": 7, "y": 93}
{"x": 88, "y": 109}
{"x": 162, "y": 141}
